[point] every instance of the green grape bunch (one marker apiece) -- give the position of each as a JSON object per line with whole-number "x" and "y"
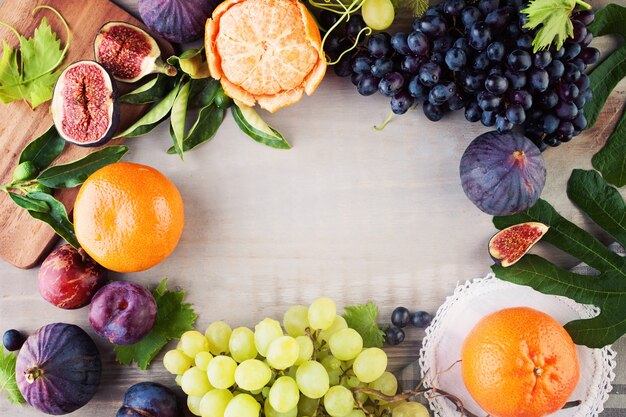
{"x": 313, "y": 365}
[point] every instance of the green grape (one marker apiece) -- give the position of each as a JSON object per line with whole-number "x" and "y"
{"x": 370, "y": 364}
{"x": 194, "y": 382}
{"x": 338, "y": 401}
{"x": 283, "y": 352}
{"x": 307, "y": 406}
{"x": 241, "y": 344}
{"x": 221, "y": 371}
{"x": 176, "y": 362}
{"x": 339, "y": 323}
{"x": 265, "y": 333}
{"x": 193, "y": 404}
{"x": 284, "y": 394}
{"x": 270, "y": 412}
{"x": 378, "y": 14}
{"x": 305, "y": 350}
{"x": 202, "y": 360}
{"x": 356, "y": 413}
{"x": 296, "y": 320}
{"x": 353, "y": 382}
{"x": 331, "y": 363}
{"x": 242, "y": 405}
{"x": 265, "y": 392}
{"x": 322, "y": 313}
{"x": 192, "y": 342}
{"x": 386, "y": 384}
{"x": 346, "y": 344}
{"x": 312, "y": 379}
{"x": 218, "y": 334}
{"x": 178, "y": 380}
{"x": 334, "y": 376}
{"x": 252, "y": 375}
{"x": 410, "y": 409}
{"x": 214, "y": 402}
{"x": 292, "y": 371}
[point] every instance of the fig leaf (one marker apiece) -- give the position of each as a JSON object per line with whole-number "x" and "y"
{"x": 174, "y": 317}
{"x": 8, "y": 382}
{"x": 362, "y": 318}
{"x": 606, "y": 207}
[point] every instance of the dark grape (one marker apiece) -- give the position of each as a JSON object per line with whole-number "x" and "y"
{"x": 539, "y": 79}
{"x": 443, "y": 43}
{"x": 394, "y": 336}
{"x": 566, "y": 111}
{"x": 456, "y": 102}
{"x": 550, "y": 123}
{"x": 534, "y": 133}
{"x": 583, "y": 82}
{"x": 565, "y": 129}
{"x": 488, "y": 101}
{"x": 590, "y": 55}
{"x": 496, "y": 69}
{"x": 519, "y": 60}
{"x": 399, "y": 43}
{"x": 411, "y": 64}
{"x": 361, "y": 64}
{"x": 416, "y": 24}
{"x": 328, "y": 19}
{"x": 381, "y": 66}
{"x": 333, "y": 43}
{"x": 470, "y": 15}
{"x": 430, "y": 73}
{"x": 391, "y": 84}
{"x": 343, "y": 68}
{"x": 400, "y": 316}
{"x": 552, "y": 140}
{"x": 496, "y": 84}
{"x": 434, "y": 26}
{"x": 474, "y": 82}
{"x": 495, "y": 51}
{"x": 516, "y": 114}
{"x": 356, "y": 78}
{"x": 13, "y": 340}
{"x": 567, "y": 91}
{"x": 421, "y": 319}
{"x": 440, "y": 93}
{"x": 572, "y": 73}
{"x": 498, "y": 19}
{"x": 585, "y": 42}
{"x": 401, "y": 102}
{"x": 579, "y": 122}
{"x": 558, "y": 54}
{"x": 418, "y": 43}
{"x": 488, "y": 118}
{"x": 548, "y": 99}
{"x": 542, "y": 59}
{"x": 481, "y": 61}
{"x": 525, "y": 42}
{"x": 354, "y": 26}
{"x": 579, "y": 64}
{"x": 556, "y": 69}
{"x": 521, "y": 97}
{"x": 479, "y": 35}
{"x": 571, "y": 51}
{"x": 488, "y": 6}
{"x": 453, "y": 7}
{"x": 586, "y": 17}
{"x": 368, "y": 85}
{"x": 417, "y": 89}
{"x": 439, "y": 58}
{"x": 516, "y": 79}
{"x": 378, "y": 45}
{"x": 513, "y": 31}
{"x": 432, "y": 112}
{"x": 473, "y": 113}
{"x": 461, "y": 43}
{"x": 456, "y": 59}
{"x": 503, "y": 124}
{"x": 580, "y": 31}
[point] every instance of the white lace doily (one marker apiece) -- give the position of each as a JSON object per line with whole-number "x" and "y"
{"x": 473, "y": 300}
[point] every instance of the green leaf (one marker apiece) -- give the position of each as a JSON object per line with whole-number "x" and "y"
{"x": 416, "y": 7}
{"x": 253, "y": 125}
{"x": 152, "y": 91}
{"x": 43, "y": 150}
{"x": 29, "y": 203}
{"x": 601, "y": 202}
{"x": 204, "y": 129}
{"x": 192, "y": 63}
{"x": 10, "y": 79}
{"x": 40, "y": 52}
{"x": 553, "y": 19}
{"x": 173, "y": 319}
{"x": 607, "y": 291}
{"x": 76, "y": 172}
{"x": 611, "y": 159}
{"x": 57, "y": 217}
{"x": 178, "y": 118}
{"x": 8, "y": 382}
{"x": 362, "y": 318}
{"x": 202, "y": 92}
{"x": 604, "y": 78}
{"x": 152, "y": 118}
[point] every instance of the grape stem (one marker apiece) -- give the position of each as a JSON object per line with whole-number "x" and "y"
{"x": 584, "y": 5}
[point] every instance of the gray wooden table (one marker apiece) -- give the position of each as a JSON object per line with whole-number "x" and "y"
{"x": 349, "y": 212}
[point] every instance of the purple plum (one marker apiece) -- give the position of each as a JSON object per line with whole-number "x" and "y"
{"x": 149, "y": 399}
{"x": 122, "y": 312}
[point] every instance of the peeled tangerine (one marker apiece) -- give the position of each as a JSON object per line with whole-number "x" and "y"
{"x": 265, "y": 51}
{"x": 510, "y": 244}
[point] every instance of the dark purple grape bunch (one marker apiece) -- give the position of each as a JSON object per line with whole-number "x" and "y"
{"x": 402, "y": 317}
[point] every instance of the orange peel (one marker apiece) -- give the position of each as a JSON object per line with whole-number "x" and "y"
{"x": 265, "y": 51}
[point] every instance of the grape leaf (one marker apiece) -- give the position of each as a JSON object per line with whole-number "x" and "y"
{"x": 605, "y": 206}
{"x": 554, "y": 18}
{"x": 173, "y": 319}
{"x": 8, "y": 382}
{"x": 417, "y": 7}
{"x": 362, "y": 318}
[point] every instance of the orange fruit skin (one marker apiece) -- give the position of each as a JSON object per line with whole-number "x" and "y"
{"x": 128, "y": 217}
{"x": 519, "y": 362}
{"x": 265, "y": 51}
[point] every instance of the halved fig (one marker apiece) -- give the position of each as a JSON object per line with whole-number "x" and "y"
{"x": 510, "y": 244}
{"x": 84, "y": 105}
{"x": 128, "y": 52}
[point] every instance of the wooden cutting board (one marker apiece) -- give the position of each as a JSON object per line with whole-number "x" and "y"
{"x": 24, "y": 240}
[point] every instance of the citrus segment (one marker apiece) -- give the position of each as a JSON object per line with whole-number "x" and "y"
{"x": 265, "y": 51}
{"x": 128, "y": 217}
{"x": 519, "y": 362}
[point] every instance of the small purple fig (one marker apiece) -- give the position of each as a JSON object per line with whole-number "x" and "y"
{"x": 122, "y": 312}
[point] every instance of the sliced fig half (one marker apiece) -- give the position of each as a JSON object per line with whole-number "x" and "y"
{"x": 128, "y": 52}
{"x": 510, "y": 244}
{"x": 84, "y": 106}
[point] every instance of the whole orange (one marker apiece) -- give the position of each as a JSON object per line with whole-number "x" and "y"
{"x": 519, "y": 362}
{"x": 128, "y": 217}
